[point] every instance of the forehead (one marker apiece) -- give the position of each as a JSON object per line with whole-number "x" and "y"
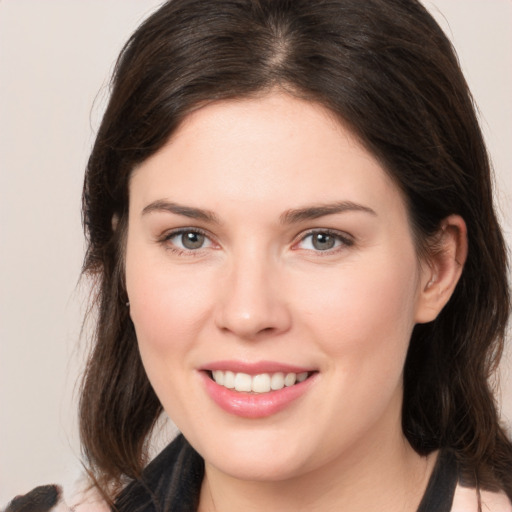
{"x": 276, "y": 150}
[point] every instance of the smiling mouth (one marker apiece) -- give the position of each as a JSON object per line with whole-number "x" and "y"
{"x": 260, "y": 383}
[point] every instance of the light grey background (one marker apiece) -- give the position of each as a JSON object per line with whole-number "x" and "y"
{"x": 55, "y": 61}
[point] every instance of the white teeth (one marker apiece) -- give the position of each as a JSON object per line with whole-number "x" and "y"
{"x": 290, "y": 379}
{"x": 243, "y": 382}
{"x": 229, "y": 380}
{"x": 218, "y": 377}
{"x": 261, "y": 383}
{"x": 302, "y": 376}
{"x": 277, "y": 381}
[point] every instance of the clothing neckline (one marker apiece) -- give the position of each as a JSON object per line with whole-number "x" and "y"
{"x": 172, "y": 483}
{"x": 441, "y": 486}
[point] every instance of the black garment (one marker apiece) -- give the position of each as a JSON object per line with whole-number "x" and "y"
{"x": 172, "y": 483}
{"x": 439, "y": 493}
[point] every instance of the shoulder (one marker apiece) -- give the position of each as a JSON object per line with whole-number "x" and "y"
{"x": 88, "y": 500}
{"x": 466, "y": 500}
{"x": 50, "y": 498}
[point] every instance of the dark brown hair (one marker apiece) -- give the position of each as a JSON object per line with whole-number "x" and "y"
{"x": 388, "y": 71}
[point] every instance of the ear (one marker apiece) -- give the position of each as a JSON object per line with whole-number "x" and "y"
{"x": 443, "y": 268}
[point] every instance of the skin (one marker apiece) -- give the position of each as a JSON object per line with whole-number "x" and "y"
{"x": 259, "y": 290}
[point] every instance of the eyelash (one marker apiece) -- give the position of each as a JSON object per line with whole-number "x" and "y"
{"x": 343, "y": 239}
{"x": 165, "y": 240}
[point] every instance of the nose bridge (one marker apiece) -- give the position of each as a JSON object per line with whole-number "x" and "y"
{"x": 251, "y": 301}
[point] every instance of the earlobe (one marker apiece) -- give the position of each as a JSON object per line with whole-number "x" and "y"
{"x": 443, "y": 270}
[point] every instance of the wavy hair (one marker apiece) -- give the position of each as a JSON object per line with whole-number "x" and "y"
{"x": 388, "y": 71}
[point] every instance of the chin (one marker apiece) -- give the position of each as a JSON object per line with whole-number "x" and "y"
{"x": 258, "y": 470}
{"x": 258, "y": 458}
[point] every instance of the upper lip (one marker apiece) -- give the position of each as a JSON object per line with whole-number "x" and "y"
{"x": 254, "y": 368}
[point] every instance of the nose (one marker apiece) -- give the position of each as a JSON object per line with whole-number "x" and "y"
{"x": 252, "y": 300}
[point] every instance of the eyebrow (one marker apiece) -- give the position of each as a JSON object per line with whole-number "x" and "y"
{"x": 178, "y": 209}
{"x": 317, "y": 211}
{"x": 288, "y": 217}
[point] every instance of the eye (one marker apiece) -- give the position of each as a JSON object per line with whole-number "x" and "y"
{"x": 323, "y": 241}
{"x": 188, "y": 240}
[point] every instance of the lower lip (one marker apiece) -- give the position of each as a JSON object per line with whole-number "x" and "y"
{"x": 255, "y": 405}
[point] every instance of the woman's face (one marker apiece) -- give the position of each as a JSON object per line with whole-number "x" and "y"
{"x": 266, "y": 246}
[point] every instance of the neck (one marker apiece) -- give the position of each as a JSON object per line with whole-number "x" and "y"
{"x": 385, "y": 474}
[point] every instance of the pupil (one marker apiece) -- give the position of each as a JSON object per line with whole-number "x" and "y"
{"x": 323, "y": 241}
{"x": 192, "y": 240}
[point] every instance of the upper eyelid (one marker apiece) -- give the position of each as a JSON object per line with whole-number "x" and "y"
{"x": 332, "y": 232}
{"x": 345, "y": 240}
{"x": 169, "y": 233}
{"x": 165, "y": 236}
{"x": 342, "y": 235}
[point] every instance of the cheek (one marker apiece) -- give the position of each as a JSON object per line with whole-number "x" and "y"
{"x": 167, "y": 305}
{"x": 167, "y": 309}
{"x": 364, "y": 313}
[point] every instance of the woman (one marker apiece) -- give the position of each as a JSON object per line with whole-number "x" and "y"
{"x": 289, "y": 215}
